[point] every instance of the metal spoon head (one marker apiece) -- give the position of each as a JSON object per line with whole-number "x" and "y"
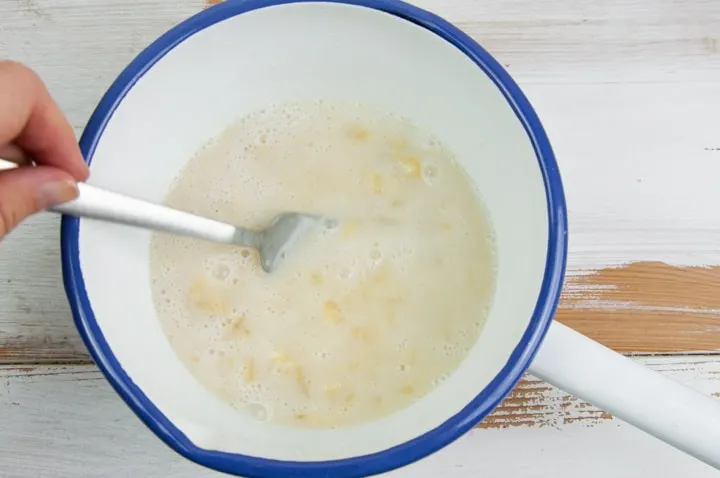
{"x": 283, "y": 234}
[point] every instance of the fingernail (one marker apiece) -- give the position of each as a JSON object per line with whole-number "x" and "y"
{"x": 57, "y": 192}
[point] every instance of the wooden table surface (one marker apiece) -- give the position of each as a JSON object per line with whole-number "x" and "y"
{"x": 629, "y": 92}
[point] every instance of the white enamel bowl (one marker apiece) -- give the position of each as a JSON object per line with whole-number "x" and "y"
{"x": 242, "y": 55}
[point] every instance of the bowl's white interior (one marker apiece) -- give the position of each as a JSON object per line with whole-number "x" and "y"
{"x": 291, "y": 52}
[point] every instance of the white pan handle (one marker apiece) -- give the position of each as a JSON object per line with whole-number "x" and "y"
{"x": 656, "y": 404}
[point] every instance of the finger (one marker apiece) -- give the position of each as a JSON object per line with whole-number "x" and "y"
{"x": 25, "y": 191}
{"x": 14, "y": 154}
{"x": 30, "y": 119}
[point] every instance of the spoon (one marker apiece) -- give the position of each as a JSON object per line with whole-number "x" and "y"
{"x": 272, "y": 243}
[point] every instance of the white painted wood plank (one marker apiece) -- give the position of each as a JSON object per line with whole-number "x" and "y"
{"x": 67, "y": 422}
{"x": 640, "y": 164}
{"x": 570, "y": 41}
{"x": 627, "y": 90}
{"x": 640, "y": 177}
{"x": 35, "y": 320}
{"x": 79, "y": 46}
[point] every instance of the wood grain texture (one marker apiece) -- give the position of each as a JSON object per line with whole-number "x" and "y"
{"x": 35, "y": 321}
{"x": 78, "y": 47}
{"x": 668, "y": 308}
{"x": 579, "y": 41}
{"x": 67, "y": 422}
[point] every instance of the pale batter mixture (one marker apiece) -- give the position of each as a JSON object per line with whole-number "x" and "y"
{"x": 363, "y": 318}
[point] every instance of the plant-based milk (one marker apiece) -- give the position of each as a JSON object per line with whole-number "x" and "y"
{"x": 361, "y": 319}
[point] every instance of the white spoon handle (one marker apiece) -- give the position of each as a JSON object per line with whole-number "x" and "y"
{"x": 97, "y": 203}
{"x": 105, "y": 205}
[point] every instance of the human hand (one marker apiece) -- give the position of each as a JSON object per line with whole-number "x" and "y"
{"x": 32, "y": 128}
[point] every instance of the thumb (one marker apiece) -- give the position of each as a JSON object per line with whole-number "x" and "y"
{"x": 27, "y": 190}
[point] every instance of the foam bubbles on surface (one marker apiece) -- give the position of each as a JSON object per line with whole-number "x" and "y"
{"x": 371, "y": 313}
{"x": 258, "y": 411}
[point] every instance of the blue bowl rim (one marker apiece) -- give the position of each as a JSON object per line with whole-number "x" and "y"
{"x": 397, "y": 456}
